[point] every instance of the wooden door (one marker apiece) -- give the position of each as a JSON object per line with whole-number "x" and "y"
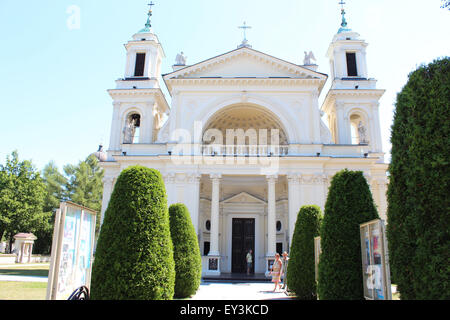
{"x": 243, "y": 239}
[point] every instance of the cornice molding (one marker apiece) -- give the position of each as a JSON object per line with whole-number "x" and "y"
{"x": 280, "y": 64}
{"x": 245, "y": 81}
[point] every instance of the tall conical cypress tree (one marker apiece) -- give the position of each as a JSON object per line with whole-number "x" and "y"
{"x": 418, "y": 201}
{"x": 301, "y": 277}
{"x": 134, "y": 256}
{"x": 349, "y": 203}
{"x": 186, "y": 252}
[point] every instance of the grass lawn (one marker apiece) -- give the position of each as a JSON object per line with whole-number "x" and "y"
{"x": 10, "y": 290}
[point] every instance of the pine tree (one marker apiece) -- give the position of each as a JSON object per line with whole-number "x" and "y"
{"x": 134, "y": 256}
{"x": 418, "y": 201}
{"x": 349, "y": 204}
{"x": 301, "y": 268}
{"x": 188, "y": 261}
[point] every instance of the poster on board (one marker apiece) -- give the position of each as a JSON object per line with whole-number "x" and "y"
{"x": 375, "y": 261}
{"x": 72, "y": 250}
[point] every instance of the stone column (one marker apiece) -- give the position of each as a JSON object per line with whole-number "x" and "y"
{"x": 214, "y": 249}
{"x": 194, "y": 198}
{"x": 169, "y": 181}
{"x": 173, "y": 117}
{"x": 108, "y": 183}
{"x": 22, "y": 252}
{"x": 271, "y": 216}
{"x": 340, "y": 123}
{"x": 315, "y": 117}
{"x": 213, "y": 259}
{"x": 147, "y": 125}
{"x": 271, "y": 223}
{"x": 382, "y": 205}
{"x": 116, "y": 128}
{"x": 294, "y": 202}
{"x": 30, "y": 248}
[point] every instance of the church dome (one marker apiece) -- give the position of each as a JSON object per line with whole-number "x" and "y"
{"x": 100, "y": 154}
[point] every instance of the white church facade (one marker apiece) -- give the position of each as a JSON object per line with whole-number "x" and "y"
{"x": 244, "y": 142}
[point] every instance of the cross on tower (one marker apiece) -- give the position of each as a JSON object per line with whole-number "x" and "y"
{"x": 344, "y": 22}
{"x": 148, "y": 24}
{"x": 245, "y": 27}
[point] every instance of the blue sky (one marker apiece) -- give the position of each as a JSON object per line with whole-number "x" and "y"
{"x": 53, "y": 99}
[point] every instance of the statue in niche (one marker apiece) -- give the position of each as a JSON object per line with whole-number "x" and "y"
{"x": 308, "y": 57}
{"x": 181, "y": 59}
{"x": 362, "y": 133}
{"x": 129, "y": 130}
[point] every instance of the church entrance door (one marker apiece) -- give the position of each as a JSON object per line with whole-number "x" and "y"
{"x": 243, "y": 239}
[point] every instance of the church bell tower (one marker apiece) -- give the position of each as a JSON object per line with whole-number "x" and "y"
{"x": 139, "y": 104}
{"x": 352, "y": 104}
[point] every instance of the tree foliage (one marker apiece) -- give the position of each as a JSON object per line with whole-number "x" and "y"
{"x": 28, "y": 202}
{"x": 349, "y": 203}
{"x": 84, "y": 184}
{"x": 418, "y": 200}
{"x": 186, "y": 251}
{"x": 22, "y": 194}
{"x": 134, "y": 256}
{"x": 56, "y": 184}
{"x": 301, "y": 267}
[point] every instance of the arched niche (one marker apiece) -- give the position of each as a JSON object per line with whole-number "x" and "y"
{"x": 132, "y": 128}
{"x": 359, "y": 128}
{"x": 257, "y": 123}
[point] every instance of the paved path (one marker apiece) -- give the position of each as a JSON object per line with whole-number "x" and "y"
{"x": 238, "y": 291}
{"x": 23, "y": 278}
{"x": 4, "y": 277}
{"x": 22, "y": 265}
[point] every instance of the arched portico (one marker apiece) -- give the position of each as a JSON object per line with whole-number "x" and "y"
{"x": 277, "y": 113}
{"x": 250, "y": 119}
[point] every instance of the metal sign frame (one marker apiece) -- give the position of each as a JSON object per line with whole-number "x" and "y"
{"x": 375, "y": 261}
{"x": 317, "y": 252}
{"x": 72, "y": 250}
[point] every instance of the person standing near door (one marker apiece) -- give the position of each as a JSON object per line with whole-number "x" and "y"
{"x": 249, "y": 259}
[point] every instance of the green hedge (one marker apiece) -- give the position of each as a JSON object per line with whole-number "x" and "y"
{"x": 186, "y": 252}
{"x": 418, "y": 198}
{"x": 301, "y": 268}
{"x": 349, "y": 203}
{"x": 134, "y": 256}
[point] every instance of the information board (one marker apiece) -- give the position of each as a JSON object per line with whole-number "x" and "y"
{"x": 72, "y": 250}
{"x": 375, "y": 261}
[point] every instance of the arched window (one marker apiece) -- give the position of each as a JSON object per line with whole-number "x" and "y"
{"x": 131, "y": 131}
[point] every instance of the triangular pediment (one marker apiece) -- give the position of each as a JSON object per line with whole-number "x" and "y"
{"x": 244, "y": 197}
{"x": 245, "y": 63}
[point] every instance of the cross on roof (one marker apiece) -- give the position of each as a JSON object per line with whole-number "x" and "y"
{"x": 344, "y": 22}
{"x": 148, "y": 24}
{"x": 245, "y": 27}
